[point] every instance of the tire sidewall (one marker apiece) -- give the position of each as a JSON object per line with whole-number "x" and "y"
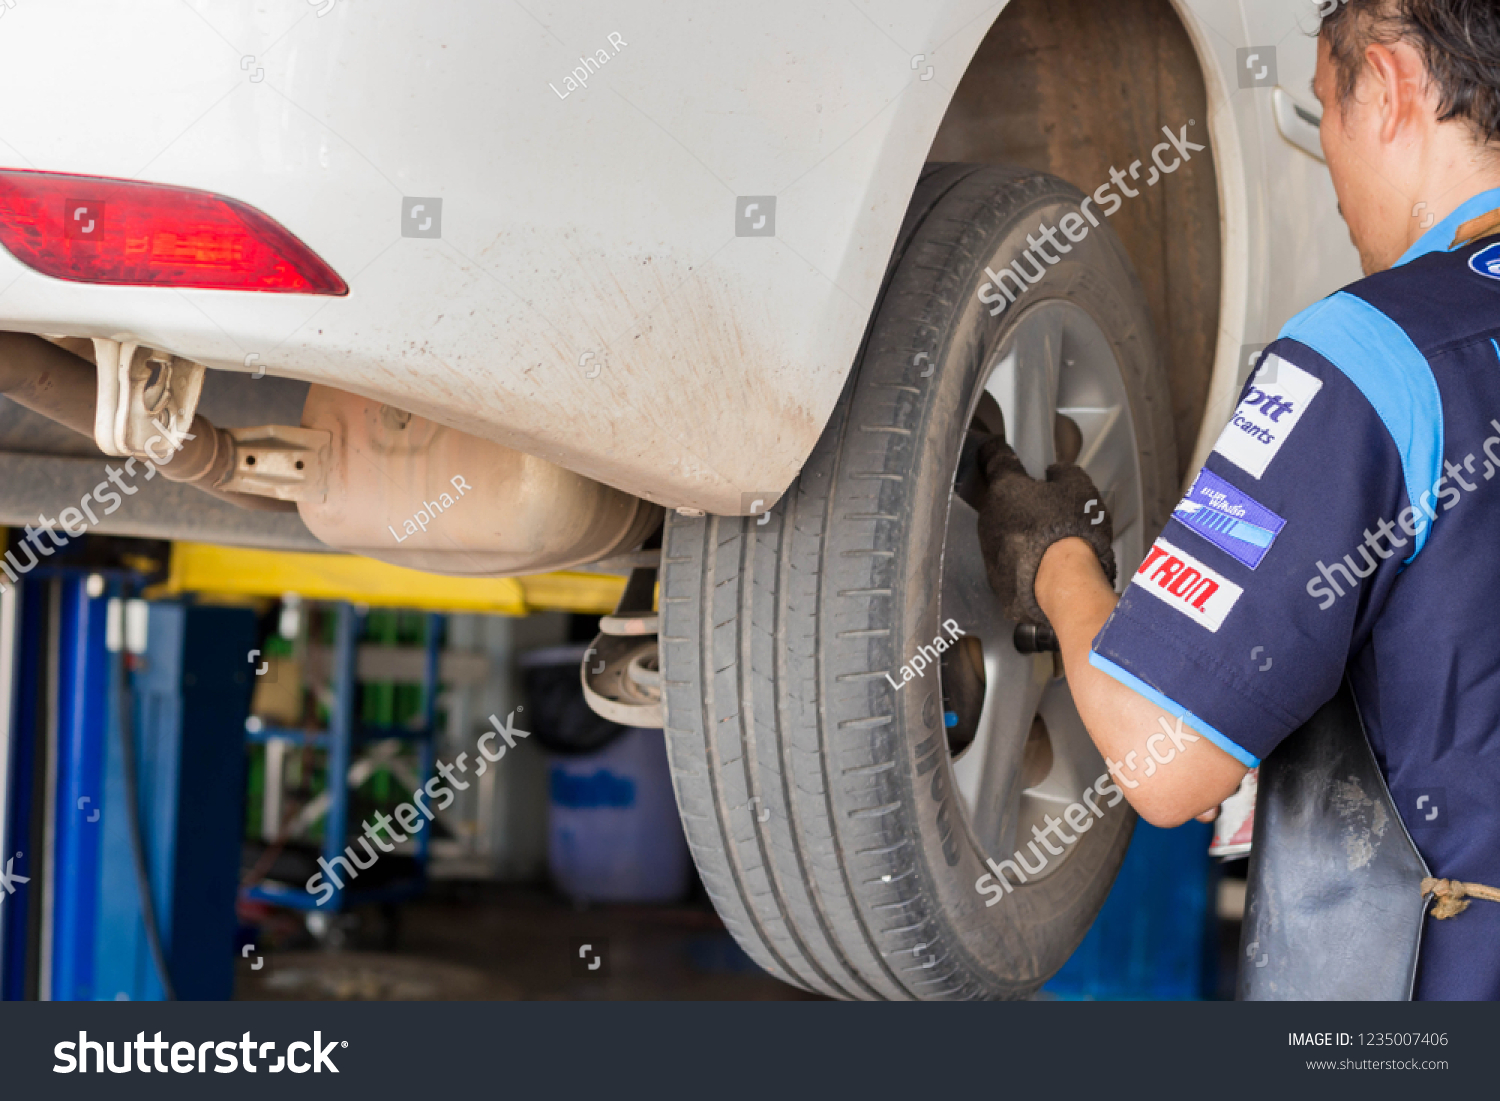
{"x": 1013, "y": 944}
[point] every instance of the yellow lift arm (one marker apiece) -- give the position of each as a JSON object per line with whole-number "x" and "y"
{"x": 237, "y": 572}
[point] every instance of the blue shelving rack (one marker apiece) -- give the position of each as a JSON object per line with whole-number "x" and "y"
{"x": 344, "y": 735}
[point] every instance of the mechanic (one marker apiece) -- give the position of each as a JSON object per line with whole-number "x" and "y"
{"x": 1348, "y": 519}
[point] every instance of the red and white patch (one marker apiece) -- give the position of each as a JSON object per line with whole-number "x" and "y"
{"x": 1178, "y": 579}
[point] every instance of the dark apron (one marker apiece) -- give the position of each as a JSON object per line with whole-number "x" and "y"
{"x": 1334, "y": 909}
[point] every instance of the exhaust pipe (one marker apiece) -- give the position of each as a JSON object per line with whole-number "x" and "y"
{"x": 367, "y": 478}
{"x": 63, "y": 387}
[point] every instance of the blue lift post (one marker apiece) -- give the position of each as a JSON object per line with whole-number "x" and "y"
{"x": 187, "y": 707}
{"x": 25, "y": 828}
{"x": 88, "y": 675}
{"x": 10, "y": 635}
{"x": 59, "y": 730}
{"x": 341, "y": 739}
{"x": 427, "y": 748}
{"x": 188, "y": 694}
{"x": 345, "y": 732}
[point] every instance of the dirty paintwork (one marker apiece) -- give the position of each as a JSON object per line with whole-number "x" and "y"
{"x": 590, "y": 299}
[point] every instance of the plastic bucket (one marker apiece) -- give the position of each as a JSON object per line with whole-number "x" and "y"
{"x": 614, "y": 834}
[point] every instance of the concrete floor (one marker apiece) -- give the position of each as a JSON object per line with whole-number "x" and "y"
{"x": 482, "y": 942}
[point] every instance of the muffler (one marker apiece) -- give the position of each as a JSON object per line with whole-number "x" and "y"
{"x": 416, "y": 493}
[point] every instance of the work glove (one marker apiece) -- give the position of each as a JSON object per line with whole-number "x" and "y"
{"x": 1021, "y": 517}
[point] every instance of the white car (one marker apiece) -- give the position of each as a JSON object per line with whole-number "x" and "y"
{"x": 720, "y": 290}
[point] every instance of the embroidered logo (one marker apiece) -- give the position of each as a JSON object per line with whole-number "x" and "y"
{"x": 1229, "y": 518}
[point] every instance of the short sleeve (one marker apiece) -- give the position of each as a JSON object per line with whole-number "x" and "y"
{"x": 1245, "y": 611}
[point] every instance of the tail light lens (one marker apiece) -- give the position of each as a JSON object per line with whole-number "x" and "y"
{"x": 92, "y": 229}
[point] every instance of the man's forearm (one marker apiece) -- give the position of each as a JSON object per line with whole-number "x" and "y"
{"x": 1196, "y": 775}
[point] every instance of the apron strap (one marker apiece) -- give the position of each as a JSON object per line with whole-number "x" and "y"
{"x": 1452, "y": 895}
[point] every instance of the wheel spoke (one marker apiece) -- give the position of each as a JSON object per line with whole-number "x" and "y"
{"x": 1108, "y": 455}
{"x": 1055, "y": 362}
{"x": 982, "y": 771}
{"x": 1024, "y": 383}
{"x": 991, "y": 780}
{"x": 966, "y": 594}
{"x": 1076, "y": 764}
{"x": 1098, "y": 425}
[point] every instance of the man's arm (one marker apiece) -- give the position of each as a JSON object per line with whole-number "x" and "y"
{"x": 1197, "y": 775}
{"x": 1291, "y": 538}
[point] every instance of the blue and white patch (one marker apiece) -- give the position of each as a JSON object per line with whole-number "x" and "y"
{"x": 1487, "y": 261}
{"x": 1229, "y": 518}
{"x": 1279, "y": 394}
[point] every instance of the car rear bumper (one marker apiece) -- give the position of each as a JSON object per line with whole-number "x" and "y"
{"x": 589, "y": 288}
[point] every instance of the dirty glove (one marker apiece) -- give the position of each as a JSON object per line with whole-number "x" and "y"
{"x": 1021, "y": 517}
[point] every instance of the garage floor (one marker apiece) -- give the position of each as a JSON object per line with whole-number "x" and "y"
{"x": 468, "y": 942}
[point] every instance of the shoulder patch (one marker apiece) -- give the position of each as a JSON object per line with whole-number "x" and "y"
{"x": 1279, "y": 394}
{"x": 1182, "y": 582}
{"x": 1487, "y": 261}
{"x": 1229, "y": 518}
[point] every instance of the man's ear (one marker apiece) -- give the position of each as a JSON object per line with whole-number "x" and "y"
{"x": 1396, "y": 86}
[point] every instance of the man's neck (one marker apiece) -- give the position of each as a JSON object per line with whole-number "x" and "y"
{"x": 1454, "y": 181}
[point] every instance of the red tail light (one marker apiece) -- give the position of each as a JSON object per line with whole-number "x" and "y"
{"x": 91, "y": 229}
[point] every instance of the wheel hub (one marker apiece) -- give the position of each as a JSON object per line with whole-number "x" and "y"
{"x": 1021, "y": 752}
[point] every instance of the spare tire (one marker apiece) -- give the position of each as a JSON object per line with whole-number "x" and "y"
{"x": 841, "y": 817}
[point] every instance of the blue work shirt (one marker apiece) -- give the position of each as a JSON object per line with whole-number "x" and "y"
{"x": 1349, "y": 519}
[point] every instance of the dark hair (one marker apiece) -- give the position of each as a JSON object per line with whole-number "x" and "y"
{"x": 1459, "y": 41}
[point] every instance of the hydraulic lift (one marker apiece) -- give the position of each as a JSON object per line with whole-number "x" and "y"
{"x": 123, "y": 762}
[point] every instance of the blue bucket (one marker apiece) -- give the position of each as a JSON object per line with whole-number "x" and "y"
{"x": 614, "y": 834}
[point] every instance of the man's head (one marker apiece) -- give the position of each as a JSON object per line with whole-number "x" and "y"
{"x": 1411, "y": 114}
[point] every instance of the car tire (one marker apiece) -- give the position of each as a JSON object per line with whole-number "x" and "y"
{"x": 840, "y": 816}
